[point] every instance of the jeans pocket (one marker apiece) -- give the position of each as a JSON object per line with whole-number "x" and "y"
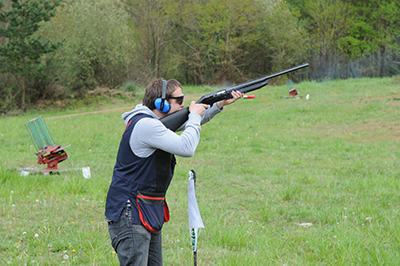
{"x": 113, "y": 231}
{"x": 118, "y": 231}
{"x": 121, "y": 237}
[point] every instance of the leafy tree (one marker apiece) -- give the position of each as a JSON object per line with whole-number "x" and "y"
{"x": 375, "y": 32}
{"x": 283, "y": 36}
{"x": 151, "y": 27}
{"x": 212, "y": 36}
{"x": 376, "y": 23}
{"x": 23, "y": 50}
{"x": 352, "y": 37}
{"x": 99, "y": 48}
{"x": 298, "y": 5}
{"x": 331, "y": 20}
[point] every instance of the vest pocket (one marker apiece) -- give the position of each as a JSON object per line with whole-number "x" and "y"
{"x": 153, "y": 210}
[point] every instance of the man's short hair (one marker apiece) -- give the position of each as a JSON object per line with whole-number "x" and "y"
{"x": 154, "y": 91}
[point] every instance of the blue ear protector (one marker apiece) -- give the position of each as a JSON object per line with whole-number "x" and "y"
{"x": 162, "y": 104}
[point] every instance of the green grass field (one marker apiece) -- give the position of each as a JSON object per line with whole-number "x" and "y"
{"x": 264, "y": 168}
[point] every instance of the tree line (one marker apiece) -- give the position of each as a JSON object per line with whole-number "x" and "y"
{"x": 54, "y": 50}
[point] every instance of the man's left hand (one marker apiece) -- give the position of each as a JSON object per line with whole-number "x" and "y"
{"x": 236, "y": 95}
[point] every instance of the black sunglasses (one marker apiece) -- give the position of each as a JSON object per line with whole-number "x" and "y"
{"x": 179, "y": 99}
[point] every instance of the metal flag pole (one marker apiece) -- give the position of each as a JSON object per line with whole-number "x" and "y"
{"x": 195, "y": 221}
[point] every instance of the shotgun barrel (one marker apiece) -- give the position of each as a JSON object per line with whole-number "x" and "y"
{"x": 175, "y": 120}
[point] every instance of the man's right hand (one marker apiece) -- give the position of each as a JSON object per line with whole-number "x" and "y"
{"x": 197, "y": 108}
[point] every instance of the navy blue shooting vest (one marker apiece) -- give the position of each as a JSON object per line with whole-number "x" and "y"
{"x": 143, "y": 181}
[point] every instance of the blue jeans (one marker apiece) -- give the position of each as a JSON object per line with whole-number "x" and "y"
{"x": 133, "y": 244}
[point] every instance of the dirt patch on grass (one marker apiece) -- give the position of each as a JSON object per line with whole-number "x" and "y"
{"x": 394, "y": 97}
{"x": 375, "y": 131}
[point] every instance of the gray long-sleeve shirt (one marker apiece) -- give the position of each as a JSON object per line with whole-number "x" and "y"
{"x": 150, "y": 134}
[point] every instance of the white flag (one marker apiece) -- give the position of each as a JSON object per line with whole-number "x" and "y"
{"x": 194, "y": 212}
{"x": 195, "y": 221}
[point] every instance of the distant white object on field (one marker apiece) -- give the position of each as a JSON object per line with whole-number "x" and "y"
{"x": 305, "y": 224}
{"x": 308, "y": 96}
{"x": 24, "y": 173}
{"x": 86, "y": 172}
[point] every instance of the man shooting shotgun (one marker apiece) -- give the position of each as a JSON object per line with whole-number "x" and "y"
{"x": 176, "y": 120}
{"x": 136, "y": 208}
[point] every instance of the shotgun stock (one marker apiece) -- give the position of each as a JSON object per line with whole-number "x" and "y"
{"x": 175, "y": 120}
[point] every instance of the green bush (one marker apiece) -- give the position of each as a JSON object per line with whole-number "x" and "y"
{"x": 98, "y": 44}
{"x": 129, "y": 86}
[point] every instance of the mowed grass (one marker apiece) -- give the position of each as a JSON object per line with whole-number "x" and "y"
{"x": 266, "y": 168}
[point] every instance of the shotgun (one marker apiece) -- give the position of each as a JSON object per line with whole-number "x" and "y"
{"x": 175, "y": 120}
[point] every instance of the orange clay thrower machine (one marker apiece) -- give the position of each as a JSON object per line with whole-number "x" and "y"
{"x": 48, "y": 152}
{"x": 292, "y": 90}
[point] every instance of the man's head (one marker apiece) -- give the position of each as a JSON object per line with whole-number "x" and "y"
{"x": 174, "y": 95}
